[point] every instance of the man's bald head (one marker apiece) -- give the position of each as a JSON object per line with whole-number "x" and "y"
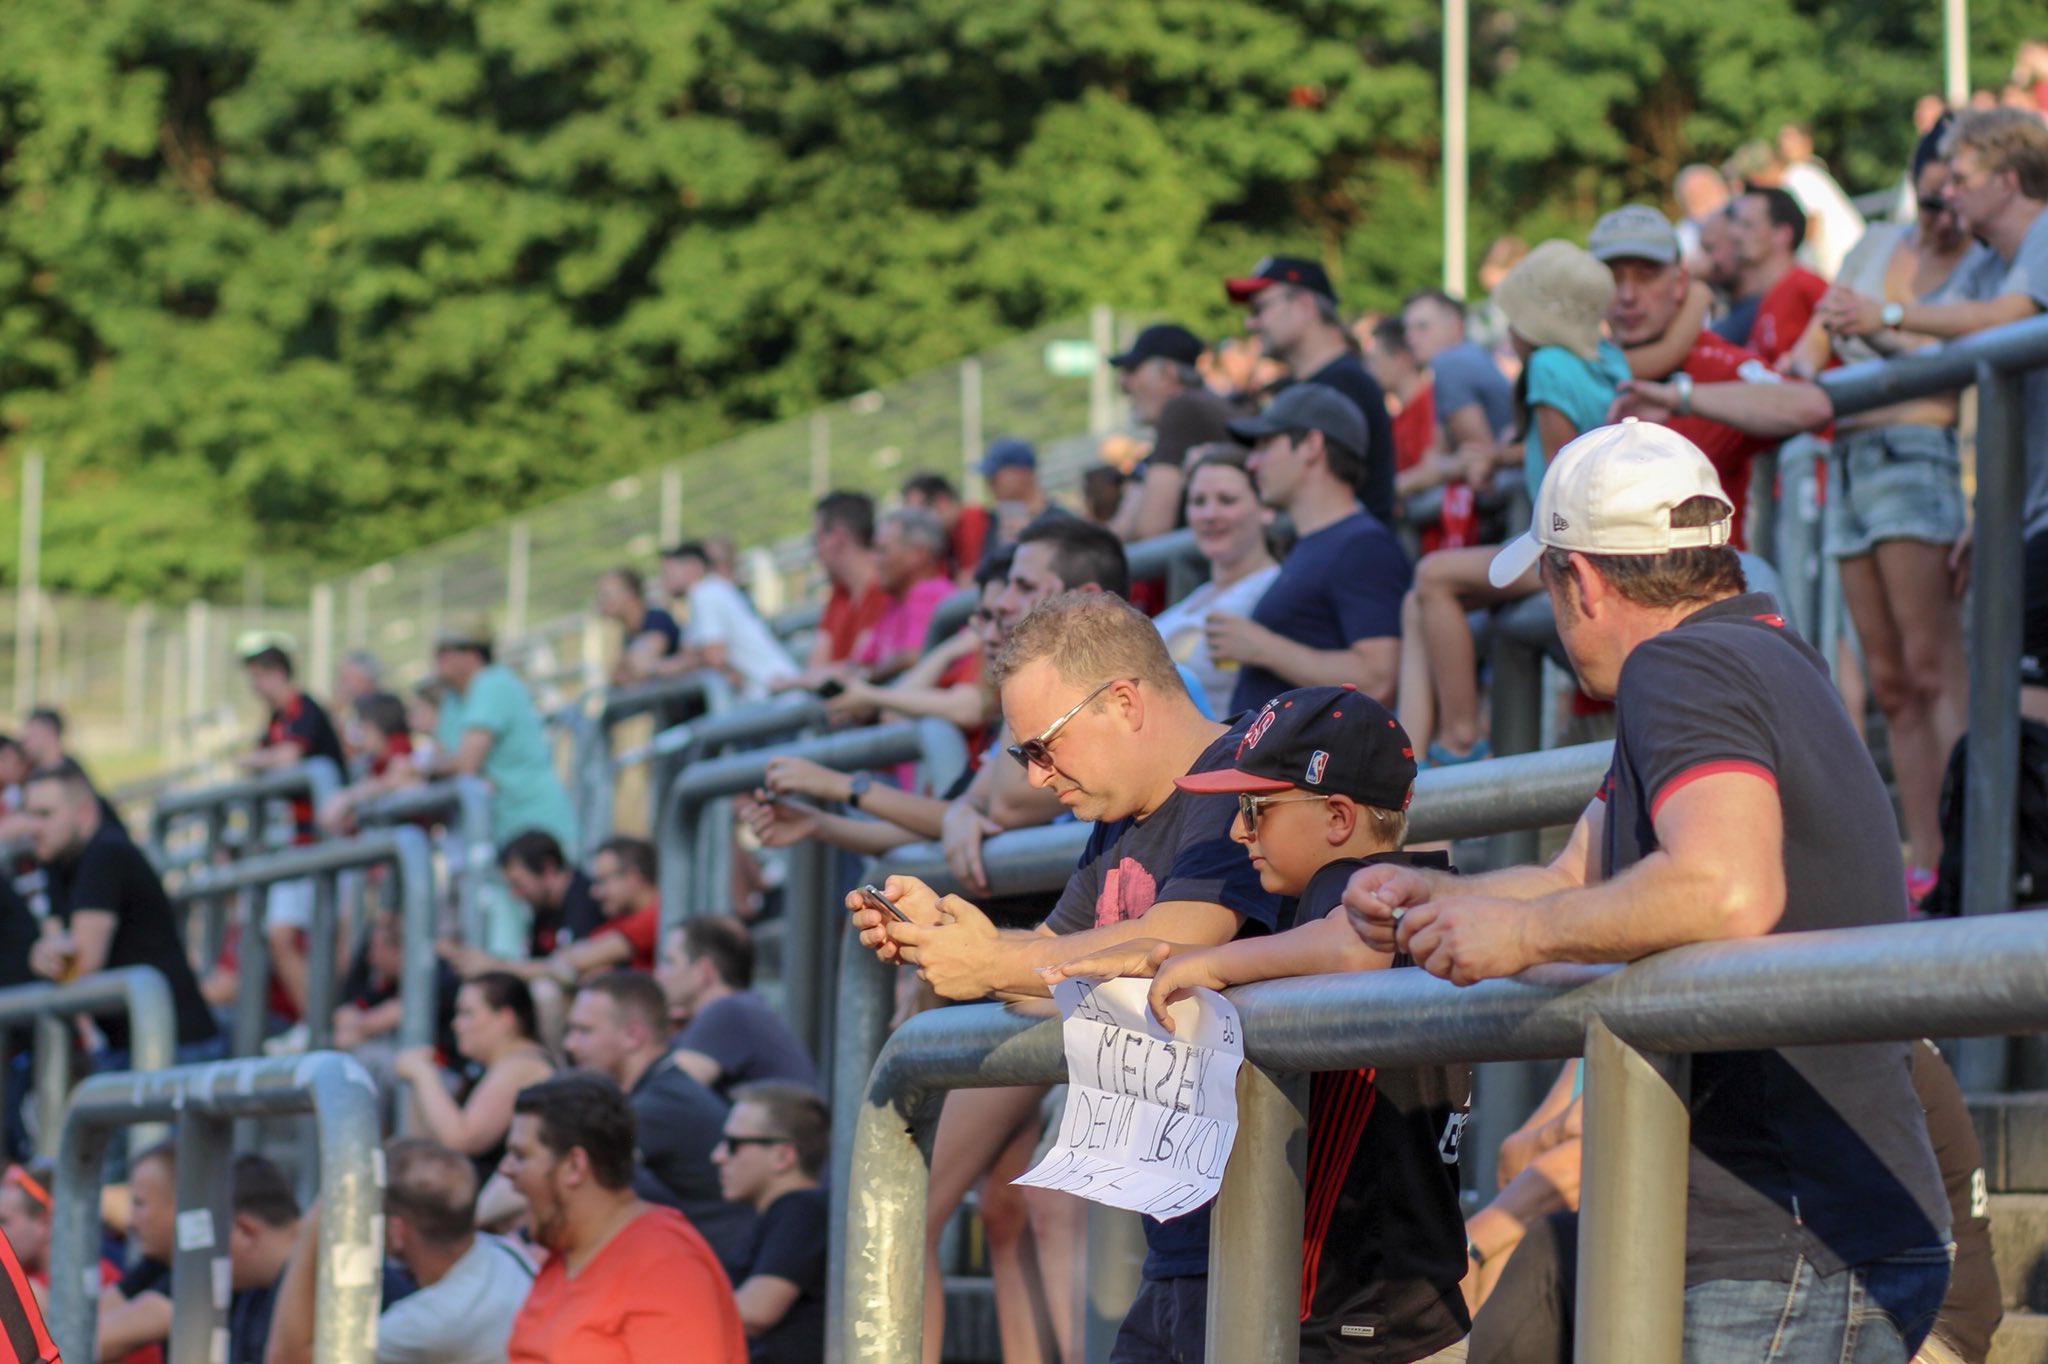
{"x": 432, "y": 1189}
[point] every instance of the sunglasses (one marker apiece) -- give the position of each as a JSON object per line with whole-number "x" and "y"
{"x": 1038, "y": 752}
{"x": 1933, "y": 203}
{"x": 732, "y": 1143}
{"x": 1250, "y": 807}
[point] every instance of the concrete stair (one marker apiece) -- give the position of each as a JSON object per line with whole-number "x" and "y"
{"x": 2013, "y": 1131}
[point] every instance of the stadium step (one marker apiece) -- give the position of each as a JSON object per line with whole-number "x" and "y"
{"x": 2022, "y": 1339}
{"x": 2012, "y": 1129}
{"x": 971, "y": 1335}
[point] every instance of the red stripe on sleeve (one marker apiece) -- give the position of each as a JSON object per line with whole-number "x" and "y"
{"x": 1712, "y": 769}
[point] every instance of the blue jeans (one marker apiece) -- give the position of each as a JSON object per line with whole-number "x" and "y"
{"x": 1876, "y": 1313}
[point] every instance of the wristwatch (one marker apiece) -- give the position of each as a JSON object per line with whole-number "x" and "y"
{"x": 856, "y": 787}
{"x": 1892, "y": 314}
{"x": 1683, "y": 383}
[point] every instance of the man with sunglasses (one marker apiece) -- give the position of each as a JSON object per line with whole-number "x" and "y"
{"x": 1111, "y": 729}
{"x": 772, "y": 1157}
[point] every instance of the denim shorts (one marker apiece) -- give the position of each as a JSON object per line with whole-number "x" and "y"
{"x": 1893, "y": 483}
{"x": 1876, "y": 1313}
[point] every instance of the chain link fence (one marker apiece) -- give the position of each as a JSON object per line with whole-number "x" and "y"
{"x": 154, "y": 691}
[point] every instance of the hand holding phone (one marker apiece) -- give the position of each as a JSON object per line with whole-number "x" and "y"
{"x": 876, "y": 900}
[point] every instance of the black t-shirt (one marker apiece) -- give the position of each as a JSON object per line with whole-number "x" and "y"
{"x": 1338, "y": 585}
{"x": 18, "y": 933}
{"x": 660, "y": 622}
{"x": 304, "y": 725}
{"x": 792, "y": 1245}
{"x": 676, "y": 1123}
{"x": 110, "y": 873}
{"x": 249, "y": 1313}
{"x": 1818, "y": 1152}
{"x": 146, "y": 1275}
{"x": 743, "y": 1033}
{"x": 1349, "y": 376}
{"x": 1383, "y": 1242}
{"x": 1196, "y": 417}
{"x": 1182, "y": 851}
{"x": 365, "y": 990}
{"x": 575, "y": 919}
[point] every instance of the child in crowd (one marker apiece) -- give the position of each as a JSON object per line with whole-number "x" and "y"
{"x": 1553, "y": 302}
{"x": 1323, "y": 777}
{"x": 388, "y": 754}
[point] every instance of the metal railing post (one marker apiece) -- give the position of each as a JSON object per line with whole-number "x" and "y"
{"x": 1992, "y": 785}
{"x": 808, "y": 938}
{"x": 203, "y": 1099}
{"x": 1255, "y": 1240}
{"x": 252, "y": 973}
{"x": 52, "y": 1077}
{"x": 865, "y": 1005}
{"x": 1517, "y": 726}
{"x": 1631, "y": 1307}
{"x": 323, "y": 980}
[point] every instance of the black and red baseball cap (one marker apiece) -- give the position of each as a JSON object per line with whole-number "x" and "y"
{"x": 1298, "y": 271}
{"x": 1331, "y": 740}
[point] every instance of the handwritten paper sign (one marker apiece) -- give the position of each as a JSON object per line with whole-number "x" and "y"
{"x": 1151, "y": 1115}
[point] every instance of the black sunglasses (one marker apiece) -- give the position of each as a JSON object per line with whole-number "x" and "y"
{"x": 1933, "y": 203}
{"x": 1038, "y": 752}
{"x": 1249, "y": 806}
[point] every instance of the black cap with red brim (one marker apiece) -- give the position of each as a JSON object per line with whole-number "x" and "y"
{"x": 1331, "y": 740}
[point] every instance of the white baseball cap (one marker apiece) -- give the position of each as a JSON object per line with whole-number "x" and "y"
{"x": 1611, "y": 491}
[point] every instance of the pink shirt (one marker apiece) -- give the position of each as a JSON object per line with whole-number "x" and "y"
{"x": 904, "y": 625}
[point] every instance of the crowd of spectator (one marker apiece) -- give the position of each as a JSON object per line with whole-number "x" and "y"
{"x": 617, "y": 1149}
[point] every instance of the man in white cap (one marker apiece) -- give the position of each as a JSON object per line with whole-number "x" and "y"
{"x": 1741, "y": 802}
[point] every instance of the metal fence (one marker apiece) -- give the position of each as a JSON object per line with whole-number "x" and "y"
{"x": 138, "y": 993}
{"x": 1635, "y": 1026}
{"x": 204, "y": 1101}
{"x": 462, "y": 806}
{"x": 235, "y": 816}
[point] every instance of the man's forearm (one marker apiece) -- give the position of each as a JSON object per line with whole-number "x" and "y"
{"x": 924, "y": 816}
{"x": 1961, "y": 318}
{"x": 1767, "y": 410}
{"x": 869, "y": 837}
{"x": 1303, "y": 666}
{"x": 1658, "y": 904}
{"x": 1322, "y": 946}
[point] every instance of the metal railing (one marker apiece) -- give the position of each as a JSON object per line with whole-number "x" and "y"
{"x": 1547, "y": 789}
{"x": 750, "y": 725}
{"x": 215, "y": 807}
{"x": 204, "y": 1101}
{"x": 139, "y": 993}
{"x": 695, "y": 849}
{"x": 594, "y": 769}
{"x": 404, "y": 849}
{"x": 463, "y": 805}
{"x": 1636, "y": 1026}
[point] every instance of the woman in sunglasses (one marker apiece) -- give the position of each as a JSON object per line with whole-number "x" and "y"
{"x": 1894, "y": 511}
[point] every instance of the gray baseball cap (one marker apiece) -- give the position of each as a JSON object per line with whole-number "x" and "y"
{"x": 1634, "y": 232}
{"x": 1307, "y": 407}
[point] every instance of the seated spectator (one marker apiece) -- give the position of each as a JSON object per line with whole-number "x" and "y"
{"x": 470, "y": 1282}
{"x": 910, "y": 552}
{"x": 423, "y": 723}
{"x": 728, "y": 1035}
{"x": 1010, "y": 467}
{"x": 967, "y": 528}
{"x": 618, "y": 1026}
{"x": 1231, "y": 528}
{"x": 1323, "y": 778}
{"x": 386, "y": 743}
{"x": 1160, "y": 374}
{"x": 1554, "y": 302}
{"x": 1102, "y": 493}
{"x": 946, "y": 682}
{"x": 25, "y": 1222}
{"x": 649, "y": 634}
{"x": 1334, "y": 613}
{"x": 622, "y": 881}
{"x": 367, "y": 1020}
{"x": 624, "y": 1280}
{"x": 725, "y": 634}
{"x": 772, "y": 1156}
{"x": 558, "y": 896}
{"x": 495, "y": 1031}
{"x": 1291, "y": 307}
{"x": 489, "y": 728}
{"x": 1472, "y": 401}
{"x": 263, "y": 1227}
{"x": 108, "y": 909}
{"x": 135, "y": 1314}
{"x": 298, "y": 730}
{"x": 843, "y": 540}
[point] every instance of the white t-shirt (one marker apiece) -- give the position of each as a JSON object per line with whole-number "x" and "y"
{"x": 465, "y": 1317}
{"x": 721, "y": 614}
{"x": 1180, "y": 625}
{"x": 1832, "y": 222}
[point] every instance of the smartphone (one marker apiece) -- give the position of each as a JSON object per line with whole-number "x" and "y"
{"x": 830, "y": 688}
{"x": 881, "y": 902}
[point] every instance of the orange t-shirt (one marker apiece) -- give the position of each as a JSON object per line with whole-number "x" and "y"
{"x": 655, "y": 1292}
{"x": 846, "y": 621}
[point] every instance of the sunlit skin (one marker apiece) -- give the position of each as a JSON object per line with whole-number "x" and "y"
{"x": 26, "y": 1226}
{"x": 1647, "y": 296}
{"x": 1227, "y": 519}
{"x": 153, "y": 1208}
{"x": 1084, "y": 774}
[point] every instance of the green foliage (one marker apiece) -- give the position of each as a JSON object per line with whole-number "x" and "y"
{"x": 311, "y": 283}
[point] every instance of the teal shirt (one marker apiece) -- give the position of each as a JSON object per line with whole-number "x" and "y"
{"x": 1581, "y": 389}
{"x": 525, "y": 792}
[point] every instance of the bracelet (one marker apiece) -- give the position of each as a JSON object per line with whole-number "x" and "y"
{"x": 1475, "y": 1255}
{"x": 1683, "y": 383}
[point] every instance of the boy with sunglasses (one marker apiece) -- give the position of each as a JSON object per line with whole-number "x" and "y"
{"x": 1322, "y": 777}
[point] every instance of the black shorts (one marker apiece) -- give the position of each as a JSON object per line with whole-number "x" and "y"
{"x": 1167, "y": 1324}
{"x": 2034, "y": 616}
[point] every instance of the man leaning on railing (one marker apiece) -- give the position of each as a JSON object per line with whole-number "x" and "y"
{"x": 1741, "y": 802}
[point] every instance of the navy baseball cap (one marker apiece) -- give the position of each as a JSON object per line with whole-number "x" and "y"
{"x": 1162, "y": 341}
{"x": 1336, "y": 741}
{"x": 1306, "y": 407}
{"x": 1008, "y": 452}
{"x": 1298, "y": 271}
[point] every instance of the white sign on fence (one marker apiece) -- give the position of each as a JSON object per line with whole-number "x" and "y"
{"x": 1151, "y": 1115}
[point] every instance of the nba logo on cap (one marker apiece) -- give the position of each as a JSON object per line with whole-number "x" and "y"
{"x": 1317, "y": 761}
